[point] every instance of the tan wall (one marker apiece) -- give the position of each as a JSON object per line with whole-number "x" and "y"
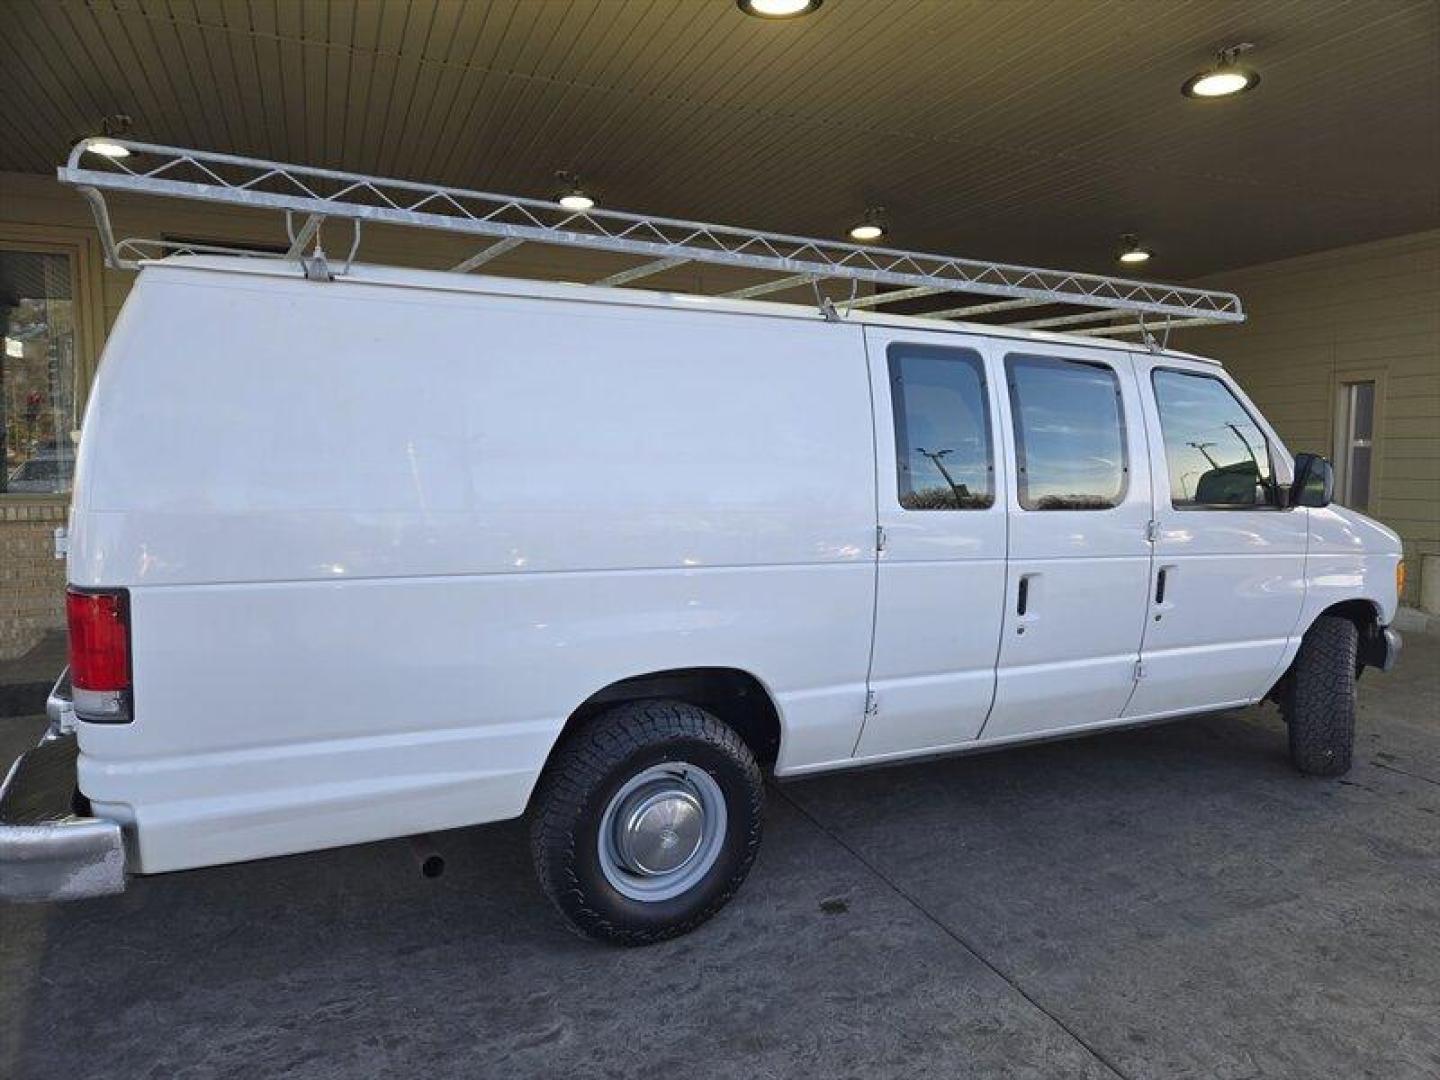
{"x": 1316, "y": 322}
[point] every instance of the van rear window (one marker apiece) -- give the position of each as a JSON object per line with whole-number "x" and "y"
{"x": 943, "y": 449}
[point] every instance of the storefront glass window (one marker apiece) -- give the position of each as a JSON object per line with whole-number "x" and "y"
{"x": 38, "y": 418}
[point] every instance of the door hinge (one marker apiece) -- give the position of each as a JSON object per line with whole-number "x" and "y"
{"x": 62, "y": 542}
{"x": 1152, "y": 530}
{"x": 1139, "y": 670}
{"x": 872, "y": 704}
{"x": 879, "y": 538}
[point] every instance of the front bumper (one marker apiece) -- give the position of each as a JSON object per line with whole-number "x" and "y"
{"x": 50, "y": 849}
{"x": 1393, "y": 644}
{"x": 1380, "y": 648}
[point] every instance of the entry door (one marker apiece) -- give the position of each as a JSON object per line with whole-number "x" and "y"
{"x": 1079, "y": 510}
{"x": 941, "y": 570}
{"x": 1229, "y": 564}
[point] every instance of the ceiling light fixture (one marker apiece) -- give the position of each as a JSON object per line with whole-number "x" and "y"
{"x": 777, "y": 9}
{"x": 108, "y": 149}
{"x": 115, "y": 126}
{"x": 871, "y": 226}
{"x": 571, "y": 196}
{"x": 1132, "y": 251}
{"x": 1225, "y": 79}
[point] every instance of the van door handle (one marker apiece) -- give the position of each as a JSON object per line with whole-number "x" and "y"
{"x": 1023, "y": 600}
{"x": 1160, "y": 581}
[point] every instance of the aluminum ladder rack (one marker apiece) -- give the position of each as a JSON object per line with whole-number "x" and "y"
{"x": 504, "y": 222}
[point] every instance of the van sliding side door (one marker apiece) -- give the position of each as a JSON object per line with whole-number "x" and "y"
{"x": 941, "y": 573}
{"x": 1079, "y": 509}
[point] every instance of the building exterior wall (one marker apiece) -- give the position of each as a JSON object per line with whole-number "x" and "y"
{"x": 1368, "y": 312}
{"x": 32, "y": 580}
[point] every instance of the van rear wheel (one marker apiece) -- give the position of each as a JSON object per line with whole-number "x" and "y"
{"x": 1321, "y": 700}
{"x": 646, "y": 822}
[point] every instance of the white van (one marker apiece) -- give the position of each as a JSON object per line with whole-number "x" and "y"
{"x": 409, "y": 551}
{"x": 373, "y": 554}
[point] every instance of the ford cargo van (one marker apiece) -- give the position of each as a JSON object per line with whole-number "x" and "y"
{"x": 359, "y": 552}
{"x": 408, "y": 551}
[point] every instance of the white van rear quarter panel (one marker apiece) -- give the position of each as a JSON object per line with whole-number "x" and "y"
{"x": 381, "y": 541}
{"x": 282, "y": 430}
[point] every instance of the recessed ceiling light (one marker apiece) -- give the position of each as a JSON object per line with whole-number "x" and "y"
{"x": 571, "y": 196}
{"x": 778, "y": 9}
{"x": 1225, "y": 78}
{"x": 871, "y": 226}
{"x": 1132, "y": 251}
{"x": 113, "y": 127}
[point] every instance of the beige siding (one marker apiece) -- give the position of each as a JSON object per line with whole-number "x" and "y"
{"x": 1370, "y": 311}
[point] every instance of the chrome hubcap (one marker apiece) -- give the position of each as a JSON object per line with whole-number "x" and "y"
{"x": 662, "y": 831}
{"x": 659, "y": 830}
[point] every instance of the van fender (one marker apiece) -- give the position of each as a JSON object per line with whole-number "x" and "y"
{"x": 737, "y": 697}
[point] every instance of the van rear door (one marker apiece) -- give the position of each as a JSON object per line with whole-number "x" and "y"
{"x": 941, "y": 573}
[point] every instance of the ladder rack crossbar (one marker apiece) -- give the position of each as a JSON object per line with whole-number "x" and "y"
{"x": 505, "y": 222}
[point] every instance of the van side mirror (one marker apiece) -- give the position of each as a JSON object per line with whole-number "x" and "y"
{"x": 1314, "y": 484}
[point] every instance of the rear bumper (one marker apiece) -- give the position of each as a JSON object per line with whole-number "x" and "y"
{"x": 48, "y": 850}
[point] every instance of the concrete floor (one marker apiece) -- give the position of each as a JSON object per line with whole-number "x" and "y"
{"x": 1173, "y": 902}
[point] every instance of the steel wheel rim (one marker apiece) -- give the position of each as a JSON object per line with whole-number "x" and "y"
{"x": 662, "y": 831}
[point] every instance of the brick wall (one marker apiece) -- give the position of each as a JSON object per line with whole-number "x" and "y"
{"x": 32, "y": 580}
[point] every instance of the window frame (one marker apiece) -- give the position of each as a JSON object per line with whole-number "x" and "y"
{"x": 1346, "y": 386}
{"x": 895, "y": 352}
{"x": 1272, "y": 504}
{"x": 1018, "y": 430}
{"x": 80, "y": 247}
{"x": 1340, "y": 379}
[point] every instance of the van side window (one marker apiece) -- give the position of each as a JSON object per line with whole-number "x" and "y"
{"x": 943, "y": 455}
{"x": 1069, "y": 433}
{"x": 1217, "y": 456}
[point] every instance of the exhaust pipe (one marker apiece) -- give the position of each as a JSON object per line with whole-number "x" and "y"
{"x": 427, "y": 858}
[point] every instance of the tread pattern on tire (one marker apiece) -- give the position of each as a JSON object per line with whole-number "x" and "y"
{"x": 1320, "y": 708}
{"x": 579, "y": 774}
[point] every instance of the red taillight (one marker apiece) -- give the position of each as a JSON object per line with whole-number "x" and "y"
{"x": 99, "y": 652}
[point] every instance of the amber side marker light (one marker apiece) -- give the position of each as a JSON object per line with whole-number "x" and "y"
{"x": 1400, "y": 578}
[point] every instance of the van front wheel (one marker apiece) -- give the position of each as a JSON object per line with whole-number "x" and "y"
{"x": 1320, "y": 704}
{"x": 646, "y": 822}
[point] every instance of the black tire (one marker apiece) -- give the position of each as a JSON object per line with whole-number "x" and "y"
{"x": 583, "y": 777}
{"x": 1321, "y": 700}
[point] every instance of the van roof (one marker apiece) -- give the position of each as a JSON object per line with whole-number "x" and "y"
{"x": 444, "y": 281}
